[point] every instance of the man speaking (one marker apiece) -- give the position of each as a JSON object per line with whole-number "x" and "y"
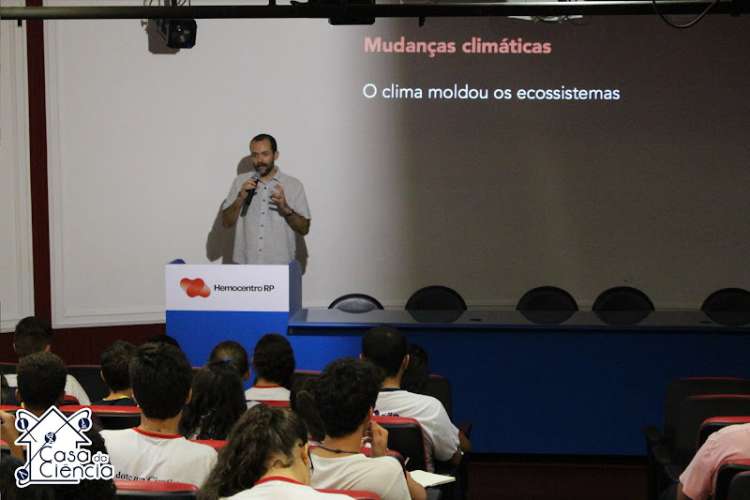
{"x": 270, "y": 207}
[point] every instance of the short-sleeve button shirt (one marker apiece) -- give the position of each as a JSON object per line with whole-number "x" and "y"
{"x": 263, "y": 236}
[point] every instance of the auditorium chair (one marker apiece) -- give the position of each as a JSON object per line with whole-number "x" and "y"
{"x": 70, "y": 400}
{"x": 671, "y": 461}
{"x": 622, "y": 305}
{"x": 405, "y": 436}
{"x": 7, "y": 368}
{"x": 155, "y": 490}
{"x": 725, "y": 476}
{"x": 547, "y": 305}
{"x": 355, "y": 303}
{"x": 660, "y": 443}
{"x": 275, "y": 403}
{"x": 739, "y": 488}
{"x": 110, "y": 417}
{"x": 90, "y": 379}
{"x": 301, "y": 377}
{"x": 440, "y": 388}
{"x": 728, "y": 306}
{"x": 694, "y": 410}
{"x": 713, "y": 424}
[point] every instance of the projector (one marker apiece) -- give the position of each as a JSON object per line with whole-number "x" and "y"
{"x": 178, "y": 33}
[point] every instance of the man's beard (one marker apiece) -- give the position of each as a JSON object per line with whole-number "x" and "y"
{"x": 264, "y": 170}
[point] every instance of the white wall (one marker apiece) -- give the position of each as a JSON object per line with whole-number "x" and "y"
{"x": 16, "y": 268}
{"x": 490, "y": 199}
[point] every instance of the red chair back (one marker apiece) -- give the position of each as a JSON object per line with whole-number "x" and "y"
{"x": 694, "y": 410}
{"x": 276, "y": 404}
{"x": 713, "y": 424}
{"x": 155, "y": 490}
{"x": 70, "y": 400}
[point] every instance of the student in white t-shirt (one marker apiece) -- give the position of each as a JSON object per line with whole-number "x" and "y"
{"x": 266, "y": 458}
{"x": 273, "y": 363}
{"x": 387, "y": 348}
{"x": 160, "y": 376}
{"x": 342, "y": 400}
{"x": 41, "y": 380}
{"x": 35, "y": 335}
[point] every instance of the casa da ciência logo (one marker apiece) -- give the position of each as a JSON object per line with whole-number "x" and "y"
{"x": 53, "y": 449}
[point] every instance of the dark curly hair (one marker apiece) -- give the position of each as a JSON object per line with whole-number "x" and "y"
{"x": 273, "y": 359}
{"x": 258, "y": 435}
{"x": 233, "y": 353}
{"x": 217, "y": 402}
{"x": 344, "y": 394}
{"x": 161, "y": 378}
{"x": 41, "y": 380}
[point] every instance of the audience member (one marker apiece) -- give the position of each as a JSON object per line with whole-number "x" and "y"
{"x": 344, "y": 397}
{"x": 161, "y": 377}
{"x": 217, "y": 402}
{"x": 273, "y": 362}
{"x": 115, "y": 362}
{"x": 41, "y": 384}
{"x": 163, "y": 338}
{"x": 302, "y": 401}
{"x": 35, "y": 335}
{"x": 387, "y": 348}
{"x": 233, "y": 353}
{"x": 266, "y": 457}
{"x": 418, "y": 371}
{"x": 698, "y": 480}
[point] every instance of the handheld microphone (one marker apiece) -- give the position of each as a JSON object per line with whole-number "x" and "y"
{"x": 249, "y": 198}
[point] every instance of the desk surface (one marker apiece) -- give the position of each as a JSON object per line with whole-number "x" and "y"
{"x": 509, "y": 319}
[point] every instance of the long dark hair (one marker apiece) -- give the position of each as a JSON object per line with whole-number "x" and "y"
{"x": 260, "y": 433}
{"x": 217, "y": 402}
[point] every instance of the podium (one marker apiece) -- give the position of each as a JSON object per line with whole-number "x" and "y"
{"x": 207, "y": 304}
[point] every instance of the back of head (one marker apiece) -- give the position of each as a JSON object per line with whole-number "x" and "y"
{"x": 344, "y": 395}
{"x": 273, "y": 359}
{"x": 233, "y": 353}
{"x": 32, "y": 335}
{"x": 216, "y": 403}
{"x": 417, "y": 373}
{"x": 264, "y": 437}
{"x": 302, "y": 402}
{"x": 115, "y": 362}
{"x": 41, "y": 380}
{"x": 161, "y": 376}
{"x": 163, "y": 338}
{"x": 385, "y": 347}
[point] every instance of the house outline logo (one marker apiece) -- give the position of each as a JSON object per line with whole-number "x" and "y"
{"x": 195, "y": 287}
{"x": 53, "y": 449}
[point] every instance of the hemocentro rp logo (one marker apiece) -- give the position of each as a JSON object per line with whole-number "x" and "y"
{"x": 195, "y": 288}
{"x": 53, "y": 449}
